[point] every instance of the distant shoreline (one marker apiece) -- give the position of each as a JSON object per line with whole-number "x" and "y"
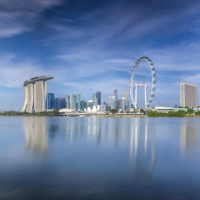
{"x": 103, "y": 116}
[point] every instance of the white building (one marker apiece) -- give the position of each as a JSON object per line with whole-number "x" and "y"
{"x": 111, "y": 100}
{"x": 188, "y": 95}
{"x": 35, "y": 94}
{"x": 163, "y": 109}
{"x": 66, "y": 110}
{"x": 94, "y": 109}
{"x": 126, "y": 99}
{"x": 123, "y": 103}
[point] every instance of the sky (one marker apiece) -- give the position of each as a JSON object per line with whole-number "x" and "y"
{"x": 90, "y": 46}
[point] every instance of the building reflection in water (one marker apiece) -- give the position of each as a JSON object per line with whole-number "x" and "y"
{"x": 189, "y": 138}
{"x": 133, "y": 135}
{"x": 123, "y": 131}
{"x": 142, "y": 150}
{"x": 36, "y": 135}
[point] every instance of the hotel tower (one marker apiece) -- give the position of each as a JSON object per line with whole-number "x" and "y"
{"x": 35, "y": 94}
{"x": 189, "y": 95}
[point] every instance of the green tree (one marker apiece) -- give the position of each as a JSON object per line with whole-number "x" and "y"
{"x": 190, "y": 111}
{"x": 113, "y": 111}
{"x": 56, "y": 111}
{"x": 142, "y": 111}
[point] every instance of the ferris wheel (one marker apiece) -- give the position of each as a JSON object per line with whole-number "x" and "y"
{"x": 153, "y": 83}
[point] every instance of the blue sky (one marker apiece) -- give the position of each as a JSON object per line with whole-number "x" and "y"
{"x": 89, "y": 45}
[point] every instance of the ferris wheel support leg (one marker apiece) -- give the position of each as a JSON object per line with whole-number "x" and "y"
{"x": 136, "y": 96}
{"x": 145, "y": 95}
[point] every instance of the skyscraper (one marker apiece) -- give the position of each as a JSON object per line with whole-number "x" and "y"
{"x": 83, "y": 105}
{"x": 79, "y": 101}
{"x": 90, "y": 103}
{"x": 50, "y": 100}
{"x": 67, "y": 99}
{"x": 72, "y": 101}
{"x": 116, "y": 103}
{"x": 35, "y": 92}
{"x": 103, "y": 103}
{"x": 115, "y": 94}
{"x": 61, "y": 103}
{"x": 123, "y": 103}
{"x": 98, "y": 98}
{"x": 111, "y": 99}
{"x": 126, "y": 98}
{"x": 56, "y": 103}
{"x": 95, "y": 100}
{"x": 188, "y": 95}
{"x": 119, "y": 104}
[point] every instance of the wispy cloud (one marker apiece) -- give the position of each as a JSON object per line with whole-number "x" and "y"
{"x": 18, "y": 17}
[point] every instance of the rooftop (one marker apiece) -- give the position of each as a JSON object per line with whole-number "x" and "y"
{"x": 41, "y": 78}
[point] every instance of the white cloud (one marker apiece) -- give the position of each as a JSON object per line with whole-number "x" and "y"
{"x": 14, "y": 74}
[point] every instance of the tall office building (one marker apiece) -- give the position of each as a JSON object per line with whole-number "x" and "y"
{"x": 83, "y": 105}
{"x": 35, "y": 92}
{"x": 116, "y": 103}
{"x": 119, "y": 104}
{"x": 72, "y": 101}
{"x": 123, "y": 103}
{"x": 50, "y": 100}
{"x": 126, "y": 98}
{"x": 90, "y": 103}
{"x": 67, "y": 99}
{"x": 189, "y": 95}
{"x": 95, "y": 100}
{"x": 79, "y": 102}
{"x": 61, "y": 103}
{"x": 103, "y": 103}
{"x": 55, "y": 103}
{"x": 115, "y": 94}
{"x": 111, "y": 100}
{"x": 98, "y": 95}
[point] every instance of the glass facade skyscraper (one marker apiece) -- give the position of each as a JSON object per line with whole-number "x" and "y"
{"x": 83, "y": 105}
{"x": 115, "y": 94}
{"x": 79, "y": 101}
{"x": 97, "y": 98}
{"x": 56, "y": 103}
{"x": 95, "y": 101}
{"x": 50, "y": 100}
{"x": 126, "y": 98}
{"x": 98, "y": 95}
{"x": 61, "y": 103}
{"x": 67, "y": 100}
{"x": 123, "y": 103}
{"x": 72, "y": 101}
{"x": 116, "y": 102}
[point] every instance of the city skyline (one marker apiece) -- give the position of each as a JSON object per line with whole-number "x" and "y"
{"x": 93, "y": 46}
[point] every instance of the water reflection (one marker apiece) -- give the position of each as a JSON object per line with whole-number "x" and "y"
{"x": 36, "y": 134}
{"x": 130, "y": 133}
{"x": 142, "y": 150}
{"x": 139, "y": 157}
{"x": 189, "y": 138}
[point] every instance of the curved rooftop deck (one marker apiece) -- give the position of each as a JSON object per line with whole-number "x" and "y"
{"x": 35, "y": 79}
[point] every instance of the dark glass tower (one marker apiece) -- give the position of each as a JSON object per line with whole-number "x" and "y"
{"x": 98, "y": 98}
{"x": 50, "y": 100}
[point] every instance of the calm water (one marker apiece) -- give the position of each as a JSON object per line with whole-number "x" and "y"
{"x": 99, "y": 158}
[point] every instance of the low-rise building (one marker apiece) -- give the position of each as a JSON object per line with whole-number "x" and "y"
{"x": 163, "y": 109}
